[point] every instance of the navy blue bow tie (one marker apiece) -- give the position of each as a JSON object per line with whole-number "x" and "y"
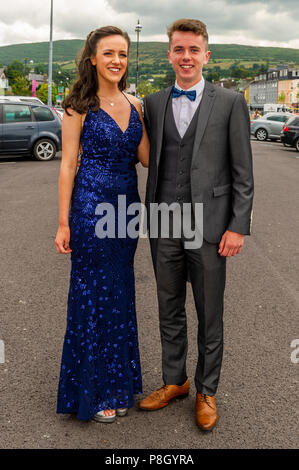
{"x": 177, "y": 93}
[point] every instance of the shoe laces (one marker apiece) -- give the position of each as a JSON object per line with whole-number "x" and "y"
{"x": 206, "y": 398}
{"x": 160, "y": 390}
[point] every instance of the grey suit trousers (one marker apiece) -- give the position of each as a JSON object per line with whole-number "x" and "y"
{"x": 207, "y": 271}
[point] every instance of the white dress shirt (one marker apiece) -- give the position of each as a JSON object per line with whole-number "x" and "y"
{"x": 184, "y": 109}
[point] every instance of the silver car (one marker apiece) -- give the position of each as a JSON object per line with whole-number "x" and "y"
{"x": 269, "y": 126}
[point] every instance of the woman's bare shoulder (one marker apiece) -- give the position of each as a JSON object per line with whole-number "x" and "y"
{"x": 133, "y": 99}
{"x": 71, "y": 117}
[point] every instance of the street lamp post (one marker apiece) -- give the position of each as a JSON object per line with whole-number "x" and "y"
{"x": 50, "y": 58}
{"x": 25, "y": 63}
{"x": 138, "y": 29}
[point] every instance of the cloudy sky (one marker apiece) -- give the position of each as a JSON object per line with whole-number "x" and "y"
{"x": 254, "y": 22}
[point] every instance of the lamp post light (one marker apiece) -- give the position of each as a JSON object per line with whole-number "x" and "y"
{"x": 138, "y": 29}
{"x": 50, "y": 58}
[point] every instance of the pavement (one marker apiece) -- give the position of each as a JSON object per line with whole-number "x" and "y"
{"x": 258, "y": 391}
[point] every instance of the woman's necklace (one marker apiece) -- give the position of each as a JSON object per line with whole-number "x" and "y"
{"x": 112, "y": 103}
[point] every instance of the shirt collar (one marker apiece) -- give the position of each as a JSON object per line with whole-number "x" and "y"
{"x": 198, "y": 87}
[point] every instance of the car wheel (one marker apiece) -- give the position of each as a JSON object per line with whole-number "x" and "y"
{"x": 44, "y": 150}
{"x": 297, "y": 145}
{"x": 261, "y": 134}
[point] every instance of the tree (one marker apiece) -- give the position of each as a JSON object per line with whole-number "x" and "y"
{"x": 146, "y": 88}
{"x": 17, "y": 66}
{"x": 21, "y": 86}
{"x": 12, "y": 75}
{"x": 282, "y": 97}
{"x": 169, "y": 77}
{"x": 263, "y": 68}
{"x": 42, "y": 93}
{"x": 213, "y": 76}
{"x": 41, "y": 68}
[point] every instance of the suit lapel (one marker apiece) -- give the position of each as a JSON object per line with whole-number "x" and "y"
{"x": 160, "y": 121}
{"x": 203, "y": 115}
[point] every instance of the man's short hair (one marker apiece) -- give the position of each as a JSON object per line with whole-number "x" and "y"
{"x": 185, "y": 24}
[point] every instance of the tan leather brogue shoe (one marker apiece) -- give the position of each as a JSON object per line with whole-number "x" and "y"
{"x": 161, "y": 397}
{"x": 206, "y": 412}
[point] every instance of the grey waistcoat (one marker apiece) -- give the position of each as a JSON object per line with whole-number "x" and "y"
{"x": 174, "y": 183}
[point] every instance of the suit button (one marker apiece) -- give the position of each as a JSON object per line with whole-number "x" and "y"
{"x": 182, "y": 159}
{"x": 181, "y": 172}
{"x": 179, "y": 185}
{"x": 178, "y": 198}
{"x": 182, "y": 145}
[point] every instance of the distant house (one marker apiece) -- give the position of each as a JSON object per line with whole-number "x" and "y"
{"x": 38, "y": 78}
{"x": 131, "y": 89}
{"x": 227, "y": 83}
{"x": 4, "y": 85}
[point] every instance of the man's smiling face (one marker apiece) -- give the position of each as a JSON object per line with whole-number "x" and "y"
{"x": 188, "y": 53}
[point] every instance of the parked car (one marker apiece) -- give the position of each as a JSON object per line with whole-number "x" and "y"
{"x": 290, "y": 132}
{"x": 22, "y": 99}
{"x": 29, "y": 128}
{"x": 269, "y": 126}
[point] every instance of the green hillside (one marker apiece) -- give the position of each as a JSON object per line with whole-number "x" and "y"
{"x": 150, "y": 52}
{"x": 227, "y": 61}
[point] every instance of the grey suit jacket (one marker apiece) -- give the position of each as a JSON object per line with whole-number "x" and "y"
{"x": 221, "y": 169}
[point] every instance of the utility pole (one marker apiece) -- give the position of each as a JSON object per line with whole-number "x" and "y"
{"x": 50, "y": 58}
{"x": 138, "y": 29}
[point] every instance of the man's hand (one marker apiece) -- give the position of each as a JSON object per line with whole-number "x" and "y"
{"x": 231, "y": 243}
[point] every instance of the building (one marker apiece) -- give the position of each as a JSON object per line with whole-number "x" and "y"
{"x": 131, "y": 89}
{"x": 244, "y": 87}
{"x": 264, "y": 89}
{"x": 279, "y": 85}
{"x": 4, "y": 85}
{"x": 40, "y": 79}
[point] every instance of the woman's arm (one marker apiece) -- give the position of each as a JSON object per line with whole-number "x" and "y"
{"x": 144, "y": 146}
{"x": 71, "y": 130}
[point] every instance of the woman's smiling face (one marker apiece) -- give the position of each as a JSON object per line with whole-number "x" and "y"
{"x": 111, "y": 59}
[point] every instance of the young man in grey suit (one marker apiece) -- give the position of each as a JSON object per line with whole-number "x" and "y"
{"x": 200, "y": 153}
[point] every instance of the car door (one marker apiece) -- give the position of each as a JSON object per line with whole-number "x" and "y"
{"x": 45, "y": 119}
{"x": 276, "y": 123}
{"x": 18, "y": 127}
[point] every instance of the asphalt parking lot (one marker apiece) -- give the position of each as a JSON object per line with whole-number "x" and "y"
{"x": 258, "y": 392}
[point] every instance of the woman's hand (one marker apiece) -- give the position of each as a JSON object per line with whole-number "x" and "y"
{"x": 62, "y": 239}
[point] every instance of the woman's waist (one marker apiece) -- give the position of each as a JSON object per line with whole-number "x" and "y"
{"x": 110, "y": 171}
{"x": 104, "y": 184}
{"x": 108, "y": 159}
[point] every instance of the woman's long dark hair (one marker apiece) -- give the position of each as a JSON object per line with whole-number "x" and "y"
{"x": 84, "y": 91}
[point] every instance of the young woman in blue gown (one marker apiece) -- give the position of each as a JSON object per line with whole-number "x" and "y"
{"x": 100, "y": 366}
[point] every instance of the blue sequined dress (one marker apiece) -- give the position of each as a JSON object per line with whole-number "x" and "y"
{"x": 100, "y": 367}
